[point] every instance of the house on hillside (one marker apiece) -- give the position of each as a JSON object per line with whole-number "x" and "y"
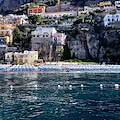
{"x": 36, "y": 9}
{"x": 42, "y": 41}
{"x": 19, "y": 57}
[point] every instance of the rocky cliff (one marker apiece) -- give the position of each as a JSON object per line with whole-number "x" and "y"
{"x": 10, "y": 5}
{"x": 87, "y": 46}
{"x": 87, "y": 2}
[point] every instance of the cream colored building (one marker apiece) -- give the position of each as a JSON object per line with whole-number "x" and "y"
{"x": 6, "y": 34}
{"x": 26, "y": 57}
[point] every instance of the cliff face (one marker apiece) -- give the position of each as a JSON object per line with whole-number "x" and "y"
{"x": 84, "y": 46}
{"x": 87, "y": 2}
{"x": 87, "y": 46}
{"x": 9, "y": 5}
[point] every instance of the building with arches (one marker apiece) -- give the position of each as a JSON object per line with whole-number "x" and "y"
{"x": 108, "y": 19}
{"x": 19, "y": 57}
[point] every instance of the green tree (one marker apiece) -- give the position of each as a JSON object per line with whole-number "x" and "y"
{"x": 27, "y": 30}
{"x": 81, "y": 20}
{"x": 113, "y": 12}
{"x": 16, "y": 31}
{"x": 66, "y": 53}
{"x": 35, "y": 19}
{"x": 17, "y": 35}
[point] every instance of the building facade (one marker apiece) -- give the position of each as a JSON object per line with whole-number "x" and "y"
{"x": 26, "y": 57}
{"x": 58, "y": 44}
{"x": 36, "y": 9}
{"x": 109, "y": 8}
{"x": 105, "y": 3}
{"x": 59, "y": 38}
{"x": 58, "y": 14}
{"x": 108, "y": 19}
{"x": 6, "y": 34}
{"x": 42, "y": 40}
{"x": 15, "y": 22}
{"x": 117, "y": 6}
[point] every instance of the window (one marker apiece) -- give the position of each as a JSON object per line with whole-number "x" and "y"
{"x": 112, "y": 19}
{"x": 46, "y": 35}
{"x": 34, "y": 11}
{"x": 31, "y": 56}
{"x": 26, "y": 56}
{"x": 108, "y": 19}
{"x": 30, "y": 11}
{"x": 20, "y": 56}
{"x": 39, "y": 10}
{"x": 7, "y": 56}
{"x": 37, "y": 35}
{"x": 43, "y": 35}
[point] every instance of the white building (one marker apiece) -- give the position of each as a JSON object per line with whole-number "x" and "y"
{"x": 41, "y": 32}
{"x": 41, "y": 41}
{"x": 109, "y": 8}
{"x": 17, "y": 16}
{"x": 58, "y": 14}
{"x": 108, "y": 19}
{"x": 117, "y": 6}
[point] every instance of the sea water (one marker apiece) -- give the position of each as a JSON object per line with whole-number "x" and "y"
{"x": 59, "y": 96}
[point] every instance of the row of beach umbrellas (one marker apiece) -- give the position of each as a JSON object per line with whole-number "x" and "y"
{"x": 23, "y": 68}
{"x": 68, "y": 67}
{"x": 79, "y": 67}
{"x": 4, "y": 67}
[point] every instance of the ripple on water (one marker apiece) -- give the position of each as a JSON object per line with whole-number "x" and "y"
{"x": 50, "y": 103}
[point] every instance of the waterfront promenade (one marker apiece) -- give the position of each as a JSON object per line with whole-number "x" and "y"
{"x": 60, "y": 68}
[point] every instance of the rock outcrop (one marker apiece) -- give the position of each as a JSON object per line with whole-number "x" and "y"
{"x": 84, "y": 46}
{"x": 10, "y": 5}
{"x": 87, "y": 46}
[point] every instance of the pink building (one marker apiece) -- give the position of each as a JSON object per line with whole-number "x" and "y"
{"x": 109, "y": 8}
{"x": 59, "y": 38}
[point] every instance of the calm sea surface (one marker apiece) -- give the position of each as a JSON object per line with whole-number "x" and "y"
{"x": 59, "y": 96}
